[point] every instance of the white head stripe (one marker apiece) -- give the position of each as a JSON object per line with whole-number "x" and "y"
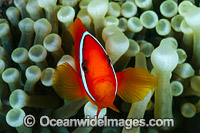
{"x": 81, "y": 61}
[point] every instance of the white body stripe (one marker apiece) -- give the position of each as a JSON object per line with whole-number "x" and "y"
{"x": 81, "y": 61}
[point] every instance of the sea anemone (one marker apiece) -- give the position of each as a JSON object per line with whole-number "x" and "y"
{"x": 160, "y": 36}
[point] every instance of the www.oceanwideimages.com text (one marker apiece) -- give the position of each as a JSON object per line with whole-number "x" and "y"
{"x": 45, "y": 121}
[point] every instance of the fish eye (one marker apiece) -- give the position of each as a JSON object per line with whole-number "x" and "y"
{"x": 109, "y": 61}
{"x": 84, "y": 66}
{"x": 108, "y": 58}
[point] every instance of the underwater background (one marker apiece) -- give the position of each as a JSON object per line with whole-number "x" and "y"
{"x": 161, "y": 36}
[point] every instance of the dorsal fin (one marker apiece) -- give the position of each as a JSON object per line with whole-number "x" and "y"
{"x": 76, "y": 29}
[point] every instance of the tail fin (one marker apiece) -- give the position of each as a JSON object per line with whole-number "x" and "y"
{"x": 98, "y": 111}
{"x": 76, "y": 28}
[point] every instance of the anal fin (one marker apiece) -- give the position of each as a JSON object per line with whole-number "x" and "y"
{"x": 114, "y": 108}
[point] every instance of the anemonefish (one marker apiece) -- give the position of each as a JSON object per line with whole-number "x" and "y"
{"x": 96, "y": 78}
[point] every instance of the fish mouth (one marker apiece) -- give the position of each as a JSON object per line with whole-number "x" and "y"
{"x": 101, "y": 98}
{"x": 102, "y": 79}
{"x": 100, "y": 83}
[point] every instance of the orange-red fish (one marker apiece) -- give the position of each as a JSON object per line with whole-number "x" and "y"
{"x": 96, "y": 78}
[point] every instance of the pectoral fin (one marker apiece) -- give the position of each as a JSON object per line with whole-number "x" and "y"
{"x": 67, "y": 83}
{"x": 134, "y": 84}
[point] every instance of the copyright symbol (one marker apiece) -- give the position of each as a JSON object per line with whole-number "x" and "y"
{"x": 29, "y": 120}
